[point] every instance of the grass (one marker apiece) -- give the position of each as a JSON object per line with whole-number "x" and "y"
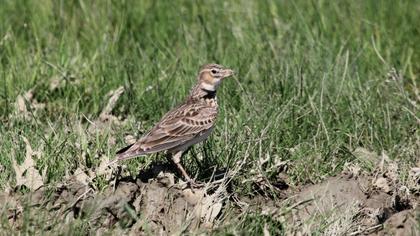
{"x": 312, "y": 81}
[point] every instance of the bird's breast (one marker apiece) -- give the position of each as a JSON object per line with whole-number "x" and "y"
{"x": 211, "y": 102}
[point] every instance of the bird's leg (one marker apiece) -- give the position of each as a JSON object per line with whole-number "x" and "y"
{"x": 176, "y": 158}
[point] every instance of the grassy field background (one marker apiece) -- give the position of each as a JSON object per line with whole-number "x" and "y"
{"x": 315, "y": 80}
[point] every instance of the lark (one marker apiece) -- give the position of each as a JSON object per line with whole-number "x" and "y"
{"x": 187, "y": 124}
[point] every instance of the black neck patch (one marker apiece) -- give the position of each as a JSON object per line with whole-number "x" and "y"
{"x": 209, "y": 94}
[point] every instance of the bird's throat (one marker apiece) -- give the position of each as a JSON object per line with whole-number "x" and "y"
{"x": 208, "y": 87}
{"x": 200, "y": 92}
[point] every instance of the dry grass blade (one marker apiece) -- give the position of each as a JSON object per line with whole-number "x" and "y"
{"x": 115, "y": 95}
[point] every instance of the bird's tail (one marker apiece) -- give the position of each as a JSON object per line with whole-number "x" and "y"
{"x": 122, "y": 151}
{"x": 128, "y": 152}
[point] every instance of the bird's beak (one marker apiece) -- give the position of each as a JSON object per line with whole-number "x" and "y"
{"x": 228, "y": 73}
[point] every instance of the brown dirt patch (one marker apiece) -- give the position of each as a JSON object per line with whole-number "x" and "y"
{"x": 152, "y": 203}
{"x": 356, "y": 205}
{"x": 130, "y": 207}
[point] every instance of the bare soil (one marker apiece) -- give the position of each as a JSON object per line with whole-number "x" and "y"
{"x": 370, "y": 210}
{"x": 356, "y": 203}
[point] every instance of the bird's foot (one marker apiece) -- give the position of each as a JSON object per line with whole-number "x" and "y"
{"x": 191, "y": 183}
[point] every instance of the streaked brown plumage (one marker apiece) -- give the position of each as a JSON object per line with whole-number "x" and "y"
{"x": 185, "y": 125}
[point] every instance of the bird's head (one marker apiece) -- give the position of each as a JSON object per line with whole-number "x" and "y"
{"x": 211, "y": 75}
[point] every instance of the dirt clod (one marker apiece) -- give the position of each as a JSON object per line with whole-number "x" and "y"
{"x": 361, "y": 204}
{"x": 401, "y": 223}
{"x": 131, "y": 206}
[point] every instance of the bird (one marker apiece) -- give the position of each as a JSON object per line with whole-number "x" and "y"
{"x": 189, "y": 123}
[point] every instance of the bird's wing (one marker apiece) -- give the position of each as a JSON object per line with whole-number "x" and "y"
{"x": 177, "y": 127}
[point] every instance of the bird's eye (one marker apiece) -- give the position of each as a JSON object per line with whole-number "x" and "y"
{"x": 213, "y": 71}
